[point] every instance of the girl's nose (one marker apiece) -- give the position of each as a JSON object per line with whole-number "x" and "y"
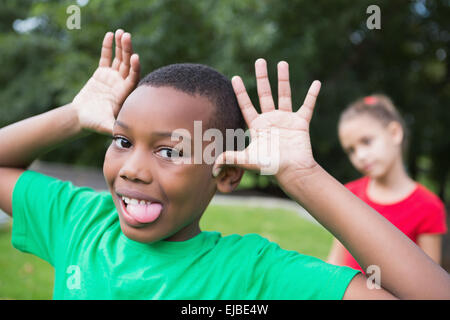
{"x": 361, "y": 154}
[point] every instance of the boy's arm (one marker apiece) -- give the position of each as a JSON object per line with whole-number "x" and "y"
{"x": 336, "y": 255}
{"x": 24, "y": 141}
{"x": 93, "y": 110}
{"x": 431, "y": 244}
{"x": 406, "y": 271}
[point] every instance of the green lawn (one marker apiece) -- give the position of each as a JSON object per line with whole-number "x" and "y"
{"x": 23, "y": 276}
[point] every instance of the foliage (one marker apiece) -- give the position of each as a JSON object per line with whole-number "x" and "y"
{"x": 43, "y": 67}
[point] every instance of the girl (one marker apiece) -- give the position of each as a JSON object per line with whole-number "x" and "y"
{"x": 372, "y": 134}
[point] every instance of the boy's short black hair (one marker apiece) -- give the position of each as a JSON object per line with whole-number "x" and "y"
{"x": 192, "y": 78}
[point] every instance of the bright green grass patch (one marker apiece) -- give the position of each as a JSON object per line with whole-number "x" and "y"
{"x": 24, "y": 276}
{"x": 281, "y": 226}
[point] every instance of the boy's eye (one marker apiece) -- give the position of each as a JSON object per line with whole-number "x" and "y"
{"x": 122, "y": 143}
{"x": 366, "y": 141}
{"x": 170, "y": 153}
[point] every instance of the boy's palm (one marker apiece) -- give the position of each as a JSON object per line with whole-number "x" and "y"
{"x": 289, "y": 129}
{"x": 100, "y": 100}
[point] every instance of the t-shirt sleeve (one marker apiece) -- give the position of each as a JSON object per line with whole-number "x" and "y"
{"x": 433, "y": 220}
{"x": 289, "y": 275}
{"x": 45, "y": 213}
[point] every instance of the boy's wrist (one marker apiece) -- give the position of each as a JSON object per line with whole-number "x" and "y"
{"x": 293, "y": 178}
{"x": 305, "y": 185}
{"x": 74, "y": 124}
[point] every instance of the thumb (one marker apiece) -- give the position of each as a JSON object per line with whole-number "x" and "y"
{"x": 232, "y": 158}
{"x": 106, "y": 126}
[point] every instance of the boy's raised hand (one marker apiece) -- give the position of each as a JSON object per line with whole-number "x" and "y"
{"x": 293, "y": 152}
{"x": 353, "y": 222}
{"x": 100, "y": 100}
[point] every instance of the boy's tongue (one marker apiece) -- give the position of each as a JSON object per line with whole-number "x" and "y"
{"x": 144, "y": 213}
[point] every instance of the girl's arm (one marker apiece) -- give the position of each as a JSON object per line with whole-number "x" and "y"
{"x": 93, "y": 110}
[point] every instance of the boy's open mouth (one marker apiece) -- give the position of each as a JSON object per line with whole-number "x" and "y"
{"x": 140, "y": 210}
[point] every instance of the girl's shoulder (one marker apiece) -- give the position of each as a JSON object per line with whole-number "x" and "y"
{"x": 423, "y": 195}
{"x": 357, "y": 185}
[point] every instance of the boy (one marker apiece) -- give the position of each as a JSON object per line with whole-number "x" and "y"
{"x": 142, "y": 239}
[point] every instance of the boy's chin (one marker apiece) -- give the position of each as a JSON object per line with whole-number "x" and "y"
{"x": 138, "y": 234}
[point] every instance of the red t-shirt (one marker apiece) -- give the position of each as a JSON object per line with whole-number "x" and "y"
{"x": 420, "y": 212}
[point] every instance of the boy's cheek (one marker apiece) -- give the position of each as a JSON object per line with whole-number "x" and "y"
{"x": 194, "y": 181}
{"x": 110, "y": 167}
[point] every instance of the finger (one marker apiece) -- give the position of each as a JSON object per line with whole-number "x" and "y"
{"x": 127, "y": 51}
{"x": 106, "y": 127}
{"x": 133, "y": 77}
{"x": 248, "y": 111}
{"x": 118, "y": 56}
{"x": 106, "y": 54}
{"x": 263, "y": 86}
{"x": 130, "y": 82}
{"x": 307, "y": 109}
{"x": 284, "y": 88}
{"x": 135, "y": 67}
{"x": 232, "y": 158}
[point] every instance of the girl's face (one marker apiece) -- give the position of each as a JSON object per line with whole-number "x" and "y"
{"x": 371, "y": 147}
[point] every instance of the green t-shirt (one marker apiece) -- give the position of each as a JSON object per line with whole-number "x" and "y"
{"x": 77, "y": 230}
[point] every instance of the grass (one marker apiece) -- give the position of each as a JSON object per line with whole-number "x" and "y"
{"x": 250, "y": 181}
{"x": 23, "y": 276}
{"x": 281, "y": 226}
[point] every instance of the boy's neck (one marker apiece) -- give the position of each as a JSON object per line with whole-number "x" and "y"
{"x": 186, "y": 233}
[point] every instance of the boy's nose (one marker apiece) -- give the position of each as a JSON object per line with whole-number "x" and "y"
{"x": 136, "y": 169}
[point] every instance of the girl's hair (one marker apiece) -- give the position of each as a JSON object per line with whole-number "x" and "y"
{"x": 379, "y": 107}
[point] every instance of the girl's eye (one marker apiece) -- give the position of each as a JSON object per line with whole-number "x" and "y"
{"x": 170, "y": 153}
{"x": 122, "y": 143}
{"x": 366, "y": 141}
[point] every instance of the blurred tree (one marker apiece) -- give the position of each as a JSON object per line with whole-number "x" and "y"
{"x": 44, "y": 64}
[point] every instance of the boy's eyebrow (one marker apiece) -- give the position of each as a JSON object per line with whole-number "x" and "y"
{"x": 120, "y": 123}
{"x": 171, "y": 134}
{"x": 158, "y": 133}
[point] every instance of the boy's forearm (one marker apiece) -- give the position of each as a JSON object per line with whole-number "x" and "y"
{"x": 22, "y": 142}
{"x": 406, "y": 271}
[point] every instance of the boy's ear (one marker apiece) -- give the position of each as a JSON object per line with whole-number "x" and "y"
{"x": 229, "y": 178}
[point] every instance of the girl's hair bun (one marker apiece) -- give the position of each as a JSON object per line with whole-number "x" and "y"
{"x": 370, "y": 100}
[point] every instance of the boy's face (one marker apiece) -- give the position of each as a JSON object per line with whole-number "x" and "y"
{"x": 139, "y": 161}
